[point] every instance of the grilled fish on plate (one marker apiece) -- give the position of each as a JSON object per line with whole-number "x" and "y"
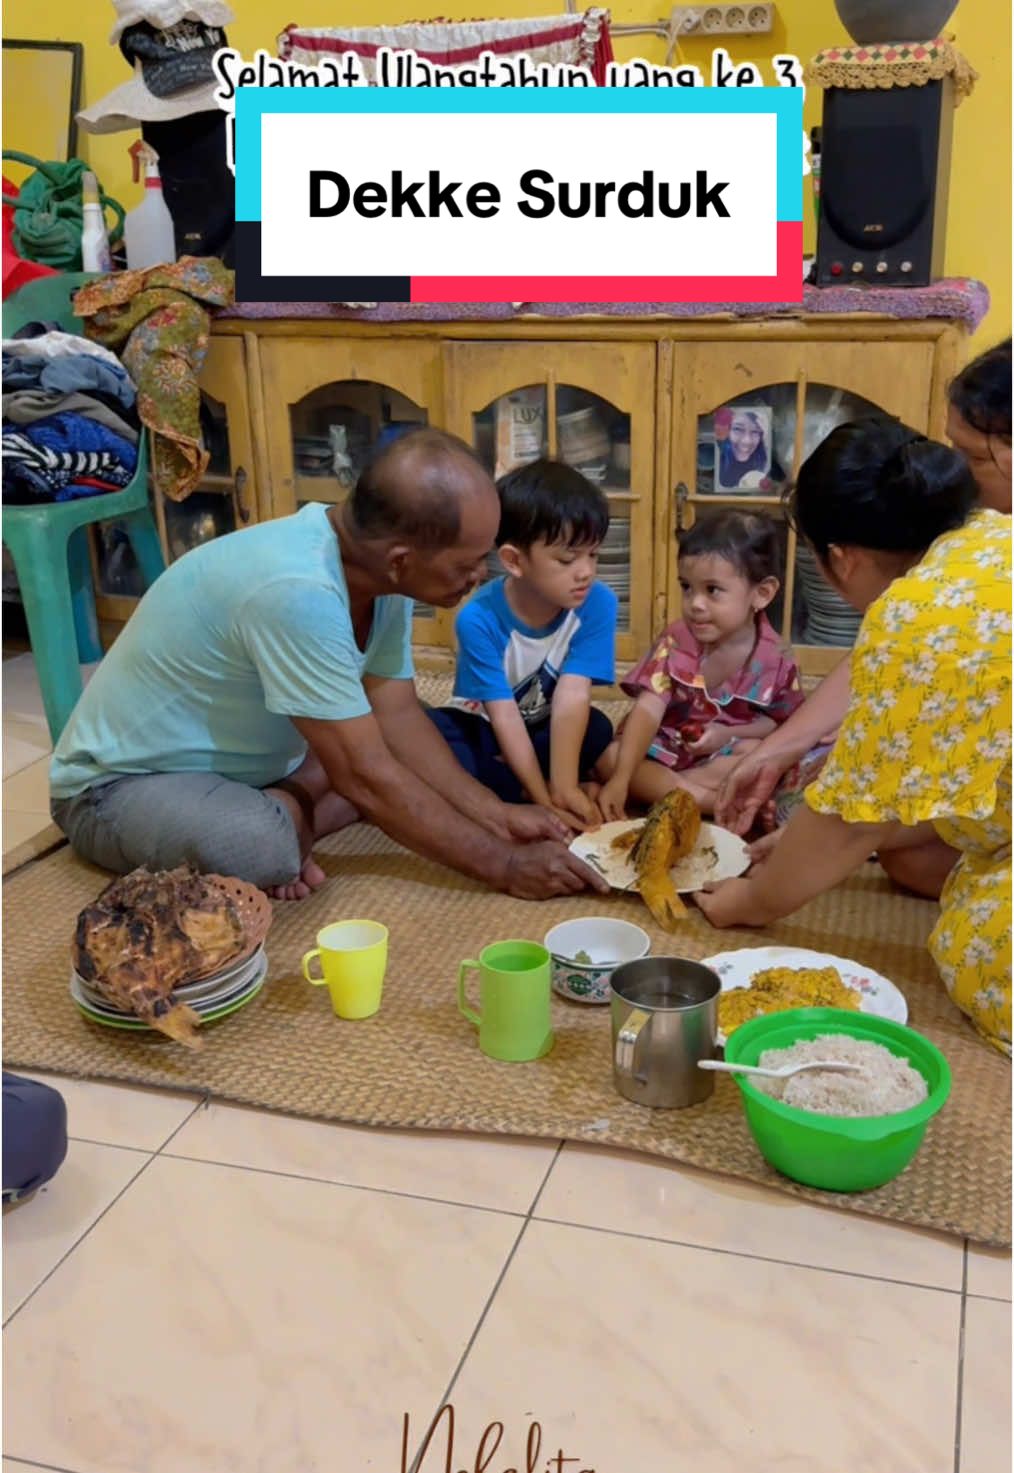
{"x": 147, "y": 932}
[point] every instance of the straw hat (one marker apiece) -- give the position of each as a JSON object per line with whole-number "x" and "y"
{"x": 172, "y": 44}
{"x": 165, "y": 13}
{"x": 132, "y": 103}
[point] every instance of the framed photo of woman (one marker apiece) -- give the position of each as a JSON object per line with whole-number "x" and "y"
{"x": 743, "y": 448}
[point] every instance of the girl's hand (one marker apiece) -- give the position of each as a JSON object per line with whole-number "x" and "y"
{"x": 613, "y": 799}
{"x": 711, "y": 740}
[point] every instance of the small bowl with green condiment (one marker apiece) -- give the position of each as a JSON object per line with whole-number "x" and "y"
{"x": 586, "y": 952}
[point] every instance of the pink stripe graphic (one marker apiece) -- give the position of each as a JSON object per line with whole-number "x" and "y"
{"x": 785, "y": 286}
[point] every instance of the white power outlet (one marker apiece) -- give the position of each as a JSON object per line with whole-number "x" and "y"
{"x": 722, "y": 20}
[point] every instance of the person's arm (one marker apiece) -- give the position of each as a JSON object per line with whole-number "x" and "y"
{"x": 639, "y": 731}
{"x": 760, "y": 726}
{"x": 412, "y": 738}
{"x": 816, "y": 851}
{"x": 820, "y": 715}
{"x": 516, "y": 746}
{"x": 360, "y": 765}
{"x": 590, "y": 660}
{"x": 751, "y": 783}
{"x": 568, "y": 725}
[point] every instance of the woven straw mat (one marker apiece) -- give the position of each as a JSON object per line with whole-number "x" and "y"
{"x": 417, "y": 1063}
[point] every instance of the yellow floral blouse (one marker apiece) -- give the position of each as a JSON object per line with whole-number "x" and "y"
{"x": 928, "y": 736}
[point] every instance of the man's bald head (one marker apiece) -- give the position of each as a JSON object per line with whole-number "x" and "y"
{"x": 414, "y": 490}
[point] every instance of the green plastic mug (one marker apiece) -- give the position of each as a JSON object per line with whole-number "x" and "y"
{"x": 514, "y": 990}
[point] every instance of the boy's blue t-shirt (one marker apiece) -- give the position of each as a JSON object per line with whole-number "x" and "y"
{"x": 501, "y": 659}
{"x": 231, "y": 641}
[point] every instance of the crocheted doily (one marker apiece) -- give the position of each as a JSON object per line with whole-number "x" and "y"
{"x": 893, "y": 64}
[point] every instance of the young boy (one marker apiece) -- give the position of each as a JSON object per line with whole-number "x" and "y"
{"x": 532, "y": 643}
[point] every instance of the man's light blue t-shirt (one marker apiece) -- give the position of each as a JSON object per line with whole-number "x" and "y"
{"x": 235, "y": 638}
{"x": 501, "y": 659}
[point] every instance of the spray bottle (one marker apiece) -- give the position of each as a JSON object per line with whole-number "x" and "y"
{"x": 95, "y": 253}
{"x": 148, "y": 229}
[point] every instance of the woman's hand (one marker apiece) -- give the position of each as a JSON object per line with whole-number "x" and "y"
{"x": 748, "y": 789}
{"x": 733, "y": 903}
{"x": 761, "y": 849}
{"x": 711, "y": 740}
{"x": 613, "y": 799}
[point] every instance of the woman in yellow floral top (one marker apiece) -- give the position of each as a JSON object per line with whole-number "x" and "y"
{"x": 927, "y": 738}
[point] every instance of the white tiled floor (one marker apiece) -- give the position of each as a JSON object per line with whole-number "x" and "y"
{"x": 26, "y": 748}
{"x": 217, "y": 1290}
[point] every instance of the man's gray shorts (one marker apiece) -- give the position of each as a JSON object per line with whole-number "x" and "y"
{"x": 163, "y": 819}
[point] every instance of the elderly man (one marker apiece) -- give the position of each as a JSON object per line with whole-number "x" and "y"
{"x": 262, "y": 696}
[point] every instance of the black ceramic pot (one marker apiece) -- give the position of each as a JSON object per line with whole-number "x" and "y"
{"x": 869, "y": 21}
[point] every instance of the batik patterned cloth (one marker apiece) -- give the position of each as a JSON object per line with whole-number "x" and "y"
{"x": 158, "y": 320}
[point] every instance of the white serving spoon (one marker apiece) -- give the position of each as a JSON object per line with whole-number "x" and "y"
{"x": 719, "y": 1066}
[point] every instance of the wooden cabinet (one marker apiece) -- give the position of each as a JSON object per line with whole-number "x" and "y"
{"x": 649, "y": 409}
{"x": 227, "y": 499}
{"x": 591, "y": 404}
{"x": 327, "y": 403}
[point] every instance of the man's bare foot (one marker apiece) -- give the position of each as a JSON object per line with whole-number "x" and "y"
{"x": 311, "y": 877}
{"x": 331, "y": 813}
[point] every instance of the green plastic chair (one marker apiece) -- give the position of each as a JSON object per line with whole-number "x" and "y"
{"x": 50, "y": 546}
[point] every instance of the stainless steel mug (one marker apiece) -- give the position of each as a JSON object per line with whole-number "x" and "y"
{"x": 665, "y": 1015}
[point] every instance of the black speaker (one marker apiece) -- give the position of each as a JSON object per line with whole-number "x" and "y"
{"x": 885, "y": 163}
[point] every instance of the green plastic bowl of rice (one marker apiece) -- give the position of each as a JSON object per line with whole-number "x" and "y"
{"x": 839, "y": 1153}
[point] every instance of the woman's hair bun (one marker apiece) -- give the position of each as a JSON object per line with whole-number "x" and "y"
{"x": 876, "y": 483}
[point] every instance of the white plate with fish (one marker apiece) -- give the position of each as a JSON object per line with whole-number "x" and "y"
{"x": 877, "y": 995}
{"x": 717, "y": 855}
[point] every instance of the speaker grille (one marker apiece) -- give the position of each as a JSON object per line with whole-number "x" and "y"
{"x": 879, "y": 190}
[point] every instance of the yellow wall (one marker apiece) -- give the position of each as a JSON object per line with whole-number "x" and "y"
{"x": 979, "y": 232}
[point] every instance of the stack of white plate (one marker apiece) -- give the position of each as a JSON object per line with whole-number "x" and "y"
{"x": 614, "y": 566}
{"x": 828, "y": 619}
{"x": 212, "y": 997}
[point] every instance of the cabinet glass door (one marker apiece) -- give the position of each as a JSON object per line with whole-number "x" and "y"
{"x": 332, "y": 404}
{"x": 743, "y": 448}
{"x": 590, "y": 405}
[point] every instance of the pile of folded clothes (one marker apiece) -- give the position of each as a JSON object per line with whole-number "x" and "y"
{"x": 70, "y": 423}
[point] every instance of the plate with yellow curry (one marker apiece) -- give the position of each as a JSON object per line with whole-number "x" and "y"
{"x": 770, "y": 979}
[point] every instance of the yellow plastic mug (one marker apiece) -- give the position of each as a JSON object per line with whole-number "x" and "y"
{"x": 353, "y": 959}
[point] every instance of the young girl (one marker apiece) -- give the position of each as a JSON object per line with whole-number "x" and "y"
{"x": 716, "y": 682}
